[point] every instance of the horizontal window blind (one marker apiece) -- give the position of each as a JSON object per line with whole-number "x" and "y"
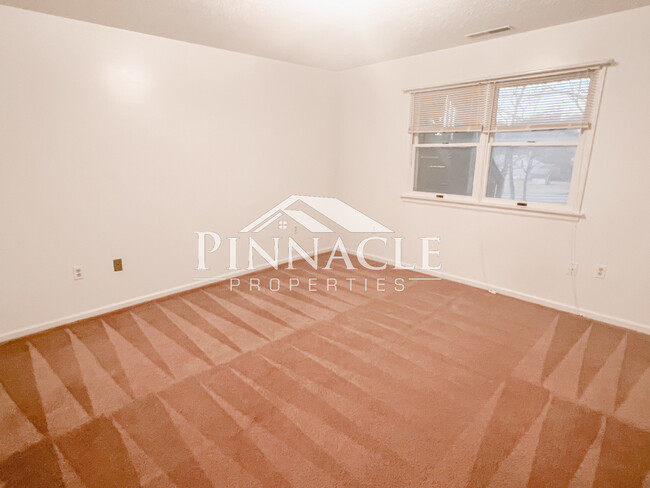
{"x": 552, "y": 100}
{"x": 564, "y": 100}
{"x": 449, "y": 110}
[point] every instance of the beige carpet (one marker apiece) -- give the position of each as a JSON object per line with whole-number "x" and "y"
{"x": 441, "y": 385}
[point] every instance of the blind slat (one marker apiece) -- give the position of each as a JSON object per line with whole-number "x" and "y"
{"x": 453, "y": 109}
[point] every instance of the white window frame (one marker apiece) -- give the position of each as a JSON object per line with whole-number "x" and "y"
{"x": 460, "y": 198}
{"x": 572, "y": 210}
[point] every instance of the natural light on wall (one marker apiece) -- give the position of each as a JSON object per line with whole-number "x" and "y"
{"x": 128, "y": 84}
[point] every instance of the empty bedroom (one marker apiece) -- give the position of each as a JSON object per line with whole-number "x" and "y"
{"x": 314, "y": 244}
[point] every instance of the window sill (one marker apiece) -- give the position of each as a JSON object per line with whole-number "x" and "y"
{"x": 449, "y": 201}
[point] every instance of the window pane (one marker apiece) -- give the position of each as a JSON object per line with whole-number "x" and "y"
{"x": 538, "y": 136}
{"x": 445, "y": 170}
{"x": 531, "y": 173}
{"x": 448, "y": 137}
{"x": 562, "y": 101}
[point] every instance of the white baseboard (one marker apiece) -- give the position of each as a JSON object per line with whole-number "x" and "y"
{"x": 32, "y": 329}
{"x": 564, "y": 307}
{"x": 86, "y": 314}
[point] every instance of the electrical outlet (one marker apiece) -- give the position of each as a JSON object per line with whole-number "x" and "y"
{"x": 77, "y": 273}
{"x": 573, "y": 269}
{"x": 601, "y": 271}
{"x": 117, "y": 264}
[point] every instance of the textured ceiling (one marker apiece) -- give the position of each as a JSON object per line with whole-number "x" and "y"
{"x": 330, "y": 34}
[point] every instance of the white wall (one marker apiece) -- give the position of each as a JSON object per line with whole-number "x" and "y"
{"x": 521, "y": 255}
{"x": 118, "y": 144}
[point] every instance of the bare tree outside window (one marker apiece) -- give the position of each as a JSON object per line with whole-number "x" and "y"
{"x": 513, "y": 141}
{"x": 532, "y": 168}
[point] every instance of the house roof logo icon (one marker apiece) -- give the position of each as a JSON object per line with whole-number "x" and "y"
{"x": 332, "y": 209}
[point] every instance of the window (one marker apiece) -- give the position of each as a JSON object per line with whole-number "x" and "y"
{"x": 532, "y": 166}
{"x": 445, "y": 162}
{"x": 515, "y": 142}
